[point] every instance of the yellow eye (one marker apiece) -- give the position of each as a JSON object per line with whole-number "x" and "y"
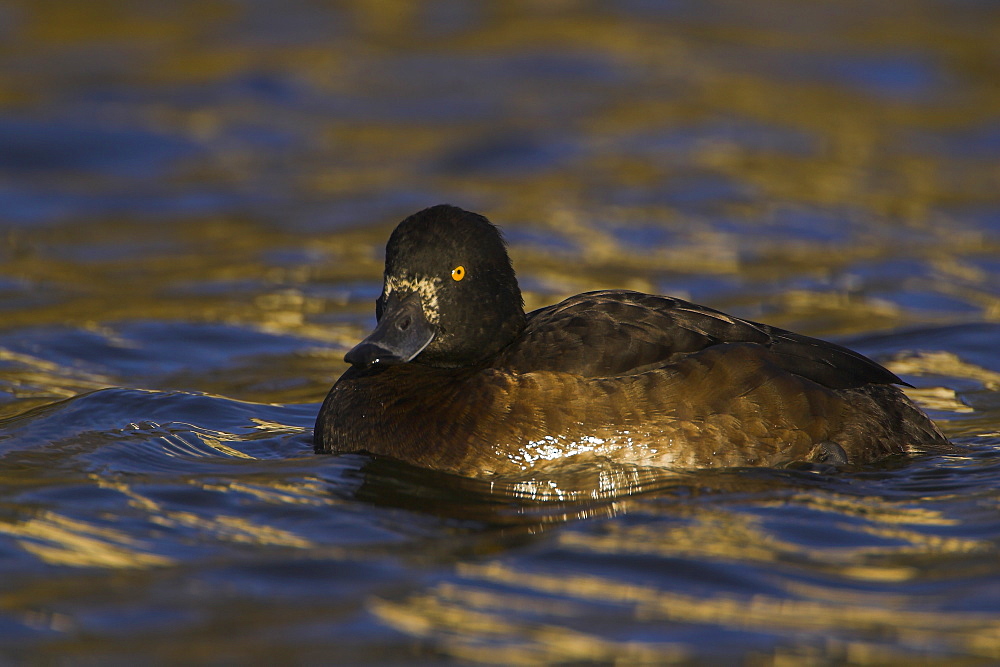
{"x": 458, "y": 273}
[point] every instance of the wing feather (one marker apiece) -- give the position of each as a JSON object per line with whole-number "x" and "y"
{"x": 616, "y": 332}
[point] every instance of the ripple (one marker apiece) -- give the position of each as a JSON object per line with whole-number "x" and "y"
{"x": 194, "y": 204}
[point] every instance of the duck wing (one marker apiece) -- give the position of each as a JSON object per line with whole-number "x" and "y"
{"x": 616, "y": 332}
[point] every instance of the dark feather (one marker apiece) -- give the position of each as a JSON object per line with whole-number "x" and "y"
{"x": 610, "y": 333}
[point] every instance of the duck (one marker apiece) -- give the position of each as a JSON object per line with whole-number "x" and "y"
{"x": 456, "y": 377}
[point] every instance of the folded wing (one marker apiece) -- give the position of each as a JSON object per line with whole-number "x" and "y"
{"x": 610, "y": 333}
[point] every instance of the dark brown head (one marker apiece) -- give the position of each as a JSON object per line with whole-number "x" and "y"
{"x": 449, "y": 293}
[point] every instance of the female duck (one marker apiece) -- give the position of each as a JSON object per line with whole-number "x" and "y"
{"x": 456, "y": 377}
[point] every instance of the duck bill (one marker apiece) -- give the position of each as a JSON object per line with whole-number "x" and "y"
{"x": 401, "y": 334}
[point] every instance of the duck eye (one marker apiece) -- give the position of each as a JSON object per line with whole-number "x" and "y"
{"x": 458, "y": 273}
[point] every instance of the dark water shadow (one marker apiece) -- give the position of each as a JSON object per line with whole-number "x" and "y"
{"x": 539, "y": 502}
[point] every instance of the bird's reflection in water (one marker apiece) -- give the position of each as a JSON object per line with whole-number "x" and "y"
{"x": 567, "y": 493}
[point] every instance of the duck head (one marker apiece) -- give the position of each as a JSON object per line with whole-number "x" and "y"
{"x": 449, "y": 294}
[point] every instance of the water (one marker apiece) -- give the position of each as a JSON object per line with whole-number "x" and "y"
{"x": 193, "y": 203}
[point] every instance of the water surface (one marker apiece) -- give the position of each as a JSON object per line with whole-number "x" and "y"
{"x": 194, "y": 198}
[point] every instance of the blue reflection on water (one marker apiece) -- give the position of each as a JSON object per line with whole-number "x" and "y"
{"x": 69, "y": 145}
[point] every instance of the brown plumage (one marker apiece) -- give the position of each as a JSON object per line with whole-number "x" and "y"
{"x": 457, "y": 378}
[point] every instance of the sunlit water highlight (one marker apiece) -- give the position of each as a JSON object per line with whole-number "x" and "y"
{"x": 193, "y": 201}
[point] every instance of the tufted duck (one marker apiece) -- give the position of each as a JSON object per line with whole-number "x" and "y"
{"x": 456, "y": 377}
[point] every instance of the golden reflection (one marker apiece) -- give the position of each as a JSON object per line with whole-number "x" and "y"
{"x": 35, "y": 381}
{"x": 214, "y": 441}
{"x": 300, "y": 492}
{"x": 713, "y": 535}
{"x": 276, "y": 428}
{"x": 235, "y": 529}
{"x": 937, "y": 398}
{"x": 486, "y": 627}
{"x": 59, "y": 540}
{"x": 673, "y": 108}
{"x": 889, "y": 616}
{"x": 227, "y": 528}
{"x": 873, "y": 509}
{"x": 943, "y": 363}
{"x": 721, "y": 535}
